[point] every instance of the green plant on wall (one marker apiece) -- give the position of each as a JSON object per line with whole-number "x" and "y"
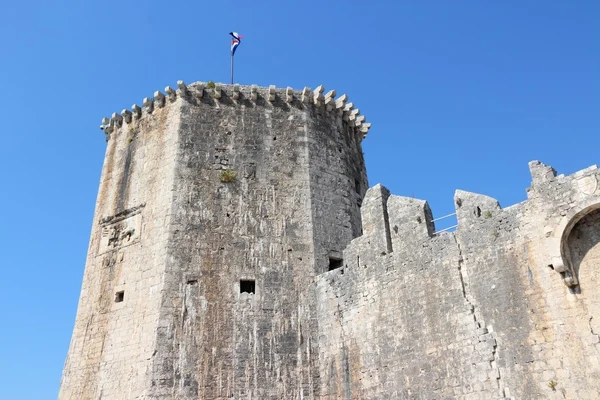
{"x": 131, "y": 134}
{"x": 228, "y": 176}
{"x": 210, "y": 85}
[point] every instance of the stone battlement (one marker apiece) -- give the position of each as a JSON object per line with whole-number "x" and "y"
{"x": 237, "y": 253}
{"x": 392, "y": 223}
{"x": 505, "y": 307}
{"x": 221, "y": 95}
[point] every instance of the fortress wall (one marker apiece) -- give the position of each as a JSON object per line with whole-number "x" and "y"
{"x": 560, "y": 224}
{"x": 113, "y": 342}
{"x": 397, "y": 324}
{"x": 338, "y": 183}
{"x": 213, "y": 341}
{"x": 497, "y": 272}
{"x": 505, "y": 307}
{"x": 474, "y": 314}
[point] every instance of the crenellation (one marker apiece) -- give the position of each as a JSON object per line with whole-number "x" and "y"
{"x": 171, "y": 94}
{"x": 194, "y": 93}
{"x": 159, "y": 99}
{"x": 182, "y": 89}
{"x": 126, "y": 115}
{"x": 218, "y": 91}
{"x": 105, "y": 125}
{"x": 305, "y": 94}
{"x": 116, "y": 120}
{"x": 347, "y": 112}
{"x": 330, "y": 100}
{"x": 137, "y": 111}
{"x": 375, "y": 220}
{"x": 410, "y": 221}
{"x": 318, "y": 97}
{"x": 365, "y": 128}
{"x": 271, "y": 93}
{"x": 340, "y": 103}
{"x": 472, "y": 207}
{"x": 148, "y": 105}
{"x": 199, "y": 89}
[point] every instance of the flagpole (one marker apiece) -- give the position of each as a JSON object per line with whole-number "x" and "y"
{"x": 232, "y": 68}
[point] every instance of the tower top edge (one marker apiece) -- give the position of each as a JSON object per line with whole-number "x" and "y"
{"x": 238, "y": 95}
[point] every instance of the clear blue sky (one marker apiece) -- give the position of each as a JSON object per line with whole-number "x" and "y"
{"x": 461, "y": 95}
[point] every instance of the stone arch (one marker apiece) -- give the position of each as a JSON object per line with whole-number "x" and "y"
{"x": 581, "y": 248}
{"x": 559, "y": 246}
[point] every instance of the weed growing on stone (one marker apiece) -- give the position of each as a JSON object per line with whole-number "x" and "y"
{"x": 487, "y": 214}
{"x": 228, "y": 176}
{"x": 552, "y": 385}
{"x": 210, "y": 85}
{"x": 131, "y": 134}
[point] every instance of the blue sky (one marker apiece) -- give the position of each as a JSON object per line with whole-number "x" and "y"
{"x": 461, "y": 95}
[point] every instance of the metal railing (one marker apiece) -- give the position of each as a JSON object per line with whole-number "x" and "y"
{"x": 445, "y": 229}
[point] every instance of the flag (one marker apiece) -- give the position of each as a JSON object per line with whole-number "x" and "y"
{"x": 235, "y": 42}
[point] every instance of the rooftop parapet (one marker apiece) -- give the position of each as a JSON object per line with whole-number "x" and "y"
{"x": 248, "y": 96}
{"x": 393, "y": 222}
{"x": 410, "y": 220}
{"x": 540, "y": 173}
{"x": 375, "y": 219}
{"x": 471, "y": 206}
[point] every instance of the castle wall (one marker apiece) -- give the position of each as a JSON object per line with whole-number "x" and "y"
{"x": 113, "y": 342}
{"x": 217, "y": 209}
{"x": 505, "y": 307}
{"x": 235, "y": 253}
{"x": 275, "y": 225}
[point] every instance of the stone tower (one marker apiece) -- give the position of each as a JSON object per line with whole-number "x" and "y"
{"x": 217, "y": 207}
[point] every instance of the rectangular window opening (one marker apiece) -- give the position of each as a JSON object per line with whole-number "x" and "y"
{"x": 119, "y": 296}
{"x": 247, "y": 286}
{"x": 335, "y": 263}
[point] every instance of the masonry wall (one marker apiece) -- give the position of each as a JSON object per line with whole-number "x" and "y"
{"x": 275, "y": 225}
{"x": 505, "y": 307}
{"x": 113, "y": 342}
{"x": 290, "y": 282}
{"x": 217, "y": 209}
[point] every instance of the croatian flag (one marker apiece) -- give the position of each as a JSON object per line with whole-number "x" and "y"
{"x": 235, "y": 42}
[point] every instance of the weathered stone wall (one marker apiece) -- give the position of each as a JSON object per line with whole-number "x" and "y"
{"x": 293, "y": 204}
{"x": 271, "y": 225}
{"x": 354, "y": 294}
{"x": 113, "y": 342}
{"x": 505, "y": 307}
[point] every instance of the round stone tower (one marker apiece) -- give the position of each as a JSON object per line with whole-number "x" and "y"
{"x": 217, "y": 207}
